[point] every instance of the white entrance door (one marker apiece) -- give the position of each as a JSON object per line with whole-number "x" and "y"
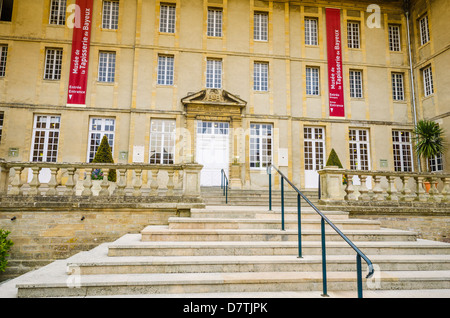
{"x": 212, "y": 151}
{"x": 314, "y": 148}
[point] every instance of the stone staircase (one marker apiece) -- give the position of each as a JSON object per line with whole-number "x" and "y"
{"x": 240, "y": 251}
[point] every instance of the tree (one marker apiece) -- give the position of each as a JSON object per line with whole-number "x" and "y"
{"x": 5, "y": 246}
{"x": 333, "y": 159}
{"x": 104, "y": 155}
{"x": 429, "y": 138}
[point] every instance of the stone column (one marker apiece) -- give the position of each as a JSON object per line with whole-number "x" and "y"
{"x": 331, "y": 184}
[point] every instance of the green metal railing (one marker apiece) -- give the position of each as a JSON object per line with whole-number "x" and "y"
{"x": 224, "y": 185}
{"x": 359, "y": 255}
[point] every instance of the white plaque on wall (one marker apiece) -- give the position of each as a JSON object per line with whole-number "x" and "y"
{"x": 138, "y": 154}
{"x": 283, "y": 157}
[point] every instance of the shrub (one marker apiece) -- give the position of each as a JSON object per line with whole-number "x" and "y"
{"x": 5, "y": 246}
{"x": 104, "y": 155}
{"x": 333, "y": 159}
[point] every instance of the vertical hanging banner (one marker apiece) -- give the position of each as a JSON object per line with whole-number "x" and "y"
{"x": 335, "y": 80}
{"x": 80, "y": 53}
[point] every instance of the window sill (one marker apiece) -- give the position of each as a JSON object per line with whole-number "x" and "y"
{"x": 106, "y": 83}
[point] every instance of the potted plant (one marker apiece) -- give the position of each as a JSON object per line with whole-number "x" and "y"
{"x": 429, "y": 143}
{"x": 333, "y": 161}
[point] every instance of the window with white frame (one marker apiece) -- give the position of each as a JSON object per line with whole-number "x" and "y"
{"x": 353, "y": 36}
{"x": 167, "y": 18}
{"x": 110, "y": 18}
{"x": 402, "y": 146}
{"x": 424, "y": 30}
{"x": 58, "y": 12}
{"x": 314, "y": 148}
{"x": 311, "y": 31}
{"x": 165, "y": 69}
{"x": 260, "y": 26}
{"x": 436, "y": 163}
{"x": 6, "y": 8}
{"x": 99, "y": 127}
{"x": 162, "y": 141}
{"x": 312, "y": 81}
{"x": 107, "y": 67}
{"x": 398, "y": 90}
{"x": 356, "y": 88}
{"x": 428, "y": 81}
{"x": 53, "y": 64}
{"x": 214, "y": 27}
{"x": 213, "y": 73}
{"x": 394, "y": 38}
{"x": 260, "y": 145}
{"x": 3, "y": 57}
{"x": 359, "y": 149}
{"x": 261, "y": 76}
{"x": 45, "y": 138}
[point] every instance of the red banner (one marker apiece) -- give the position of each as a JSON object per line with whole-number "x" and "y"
{"x": 80, "y": 53}
{"x": 335, "y": 80}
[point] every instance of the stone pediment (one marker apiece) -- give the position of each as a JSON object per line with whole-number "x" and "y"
{"x": 213, "y": 97}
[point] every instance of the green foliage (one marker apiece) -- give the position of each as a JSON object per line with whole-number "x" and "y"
{"x": 333, "y": 159}
{"x": 104, "y": 155}
{"x": 429, "y": 138}
{"x": 5, "y": 246}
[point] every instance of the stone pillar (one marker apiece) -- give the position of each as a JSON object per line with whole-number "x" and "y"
{"x": 191, "y": 180}
{"x": 331, "y": 184}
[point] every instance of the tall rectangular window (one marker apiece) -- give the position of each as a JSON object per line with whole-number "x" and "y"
{"x": 260, "y": 145}
{"x": 45, "y": 138}
{"x": 3, "y": 57}
{"x": 107, "y": 67}
{"x": 311, "y": 31}
{"x": 402, "y": 145}
{"x": 424, "y": 30}
{"x": 110, "y": 15}
{"x": 167, "y": 18}
{"x": 99, "y": 127}
{"x": 398, "y": 90}
{"x": 58, "y": 12}
{"x": 394, "y": 38}
{"x": 314, "y": 147}
{"x": 6, "y": 8}
{"x": 162, "y": 141}
{"x": 214, "y": 27}
{"x": 53, "y": 64}
{"x": 436, "y": 164}
{"x": 260, "y": 26}
{"x": 261, "y": 76}
{"x": 359, "y": 149}
{"x": 353, "y": 35}
{"x": 165, "y": 70}
{"x": 356, "y": 88}
{"x": 312, "y": 81}
{"x": 428, "y": 81}
{"x": 213, "y": 73}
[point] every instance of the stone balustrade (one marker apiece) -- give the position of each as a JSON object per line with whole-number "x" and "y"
{"x": 339, "y": 185}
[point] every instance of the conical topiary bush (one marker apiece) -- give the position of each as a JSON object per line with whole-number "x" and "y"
{"x": 333, "y": 159}
{"x": 104, "y": 155}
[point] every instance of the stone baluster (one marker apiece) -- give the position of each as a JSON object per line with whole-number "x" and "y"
{"x": 4, "y": 178}
{"x": 87, "y": 183}
{"x": 170, "y": 183}
{"x": 104, "y": 192}
{"x": 34, "y": 183}
{"x": 16, "y": 183}
{"x": 52, "y": 183}
{"x": 154, "y": 185}
{"x": 121, "y": 183}
{"x": 70, "y": 184}
{"x": 350, "y": 189}
{"x": 434, "y": 193}
{"x": 445, "y": 190}
{"x": 392, "y": 189}
{"x": 421, "y": 194}
{"x": 137, "y": 184}
{"x": 363, "y": 190}
{"x": 406, "y": 193}
{"x": 377, "y": 190}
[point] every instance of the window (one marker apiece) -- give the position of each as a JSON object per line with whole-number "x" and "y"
{"x": 214, "y": 22}
{"x": 58, "y": 12}
{"x": 312, "y": 81}
{"x": 311, "y": 32}
{"x": 436, "y": 164}
{"x": 3, "y": 56}
{"x": 167, "y": 18}
{"x": 394, "y": 38}
{"x": 359, "y": 149}
{"x": 424, "y": 30}
{"x": 99, "y": 127}
{"x": 213, "y": 73}
{"x": 260, "y": 145}
{"x": 261, "y": 76}
{"x": 398, "y": 92}
{"x": 162, "y": 141}
{"x": 428, "y": 81}
{"x": 53, "y": 63}
{"x": 402, "y": 150}
{"x": 110, "y": 15}
{"x": 212, "y": 128}
{"x": 1, "y": 125}
{"x": 353, "y": 35}
{"x": 45, "y": 138}
{"x": 107, "y": 67}
{"x": 165, "y": 70}
{"x": 260, "y": 27}
{"x": 314, "y": 146}
{"x": 356, "y": 84}
{"x": 6, "y": 8}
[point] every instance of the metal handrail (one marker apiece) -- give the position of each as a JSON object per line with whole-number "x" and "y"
{"x": 324, "y": 219}
{"x": 224, "y": 185}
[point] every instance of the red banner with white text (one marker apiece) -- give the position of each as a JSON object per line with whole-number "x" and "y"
{"x": 80, "y": 53}
{"x": 335, "y": 79}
